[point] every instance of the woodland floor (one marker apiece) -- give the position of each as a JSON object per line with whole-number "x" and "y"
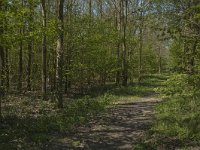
{"x": 125, "y": 124}
{"x": 120, "y": 127}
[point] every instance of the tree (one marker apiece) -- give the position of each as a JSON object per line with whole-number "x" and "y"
{"x": 124, "y": 47}
{"x": 60, "y": 52}
{"x": 44, "y": 51}
{"x": 30, "y": 45}
{"x": 20, "y": 74}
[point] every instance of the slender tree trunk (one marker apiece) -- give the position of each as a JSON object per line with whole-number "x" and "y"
{"x": 141, "y": 46}
{"x": 30, "y": 47}
{"x": 44, "y": 52}
{"x": 90, "y": 8}
{"x": 2, "y": 54}
{"x": 2, "y": 64}
{"x": 69, "y": 46}
{"x": 29, "y": 65}
{"x": 90, "y": 34}
{"x": 100, "y": 3}
{"x": 124, "y": 48}
{"x": 160, "y": 62}
{"x": 60, "y": 53}
{"x": 7, "y": 70}
{"x": 20, "y": 64}
{"x": 140, "y": 55}
{"x": 20, "y": 71}
{"x": 118, "y": 28}
{"x": 118, "y": 65}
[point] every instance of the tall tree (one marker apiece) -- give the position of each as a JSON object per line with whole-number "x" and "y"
{"x": 141, "y": 39}
{"x": 118, "y": 28}
{"x": 44, "y": 51}
{"x": 2, "y": 61}
{"x": 124, "y": 46}
{"x": 60, "y": 53}
{"x": 30, "y": 45}
{"x": 20, "y": 72}
{"x": 69, "y": 45}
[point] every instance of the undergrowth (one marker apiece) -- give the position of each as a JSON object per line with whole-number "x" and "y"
{"x": 29, "y": 122}
{"x": 25, "y": 121}
{"x": 177, "y": 117}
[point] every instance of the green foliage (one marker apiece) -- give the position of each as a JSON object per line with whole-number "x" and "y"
{"x": 178, "y": 115}
{"x": 89, "y": 51}
{"x": 176, "y": 56}
{"x": 182, "y": 85}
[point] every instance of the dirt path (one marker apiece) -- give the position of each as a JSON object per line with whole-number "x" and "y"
{"x": 119, "y": 128}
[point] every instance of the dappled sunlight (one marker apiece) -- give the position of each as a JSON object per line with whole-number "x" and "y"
{"x": 118, "y": 128}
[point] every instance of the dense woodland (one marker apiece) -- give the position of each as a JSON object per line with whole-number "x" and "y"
{"x": 61, "y": 60}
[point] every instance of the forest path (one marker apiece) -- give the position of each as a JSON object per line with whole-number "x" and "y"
{"x": 119, "y": 128}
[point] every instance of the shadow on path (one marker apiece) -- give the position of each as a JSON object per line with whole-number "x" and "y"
{"x": 118, "y": 128}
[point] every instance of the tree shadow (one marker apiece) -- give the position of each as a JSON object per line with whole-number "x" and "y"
{"x": 119, "y": 128}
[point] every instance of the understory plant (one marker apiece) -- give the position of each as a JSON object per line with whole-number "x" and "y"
{"x": 177, "y": 117}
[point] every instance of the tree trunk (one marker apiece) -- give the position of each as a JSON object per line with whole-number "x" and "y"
{"x": 160, "y": 62}
{"x": 44, "y": 52}
{"x": 20, "y": 64}
{"x": 141, "y": 45}
{"x": 69, "y": 46}
{"x": 100, "y": 3}
{"x": 118, "y": 65}
{"x": 90, "y": 8}
{"x": 29, "y": 65}
{"x": 60, "y": 53}
{"x": 7, "y": 70}
{"x": 20, "y": 71}
{"x": 118, "y": 28}
{"x": 30, "y": 47}
{"x": 124, "y": 48}
{"x": 2, "y": 64}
